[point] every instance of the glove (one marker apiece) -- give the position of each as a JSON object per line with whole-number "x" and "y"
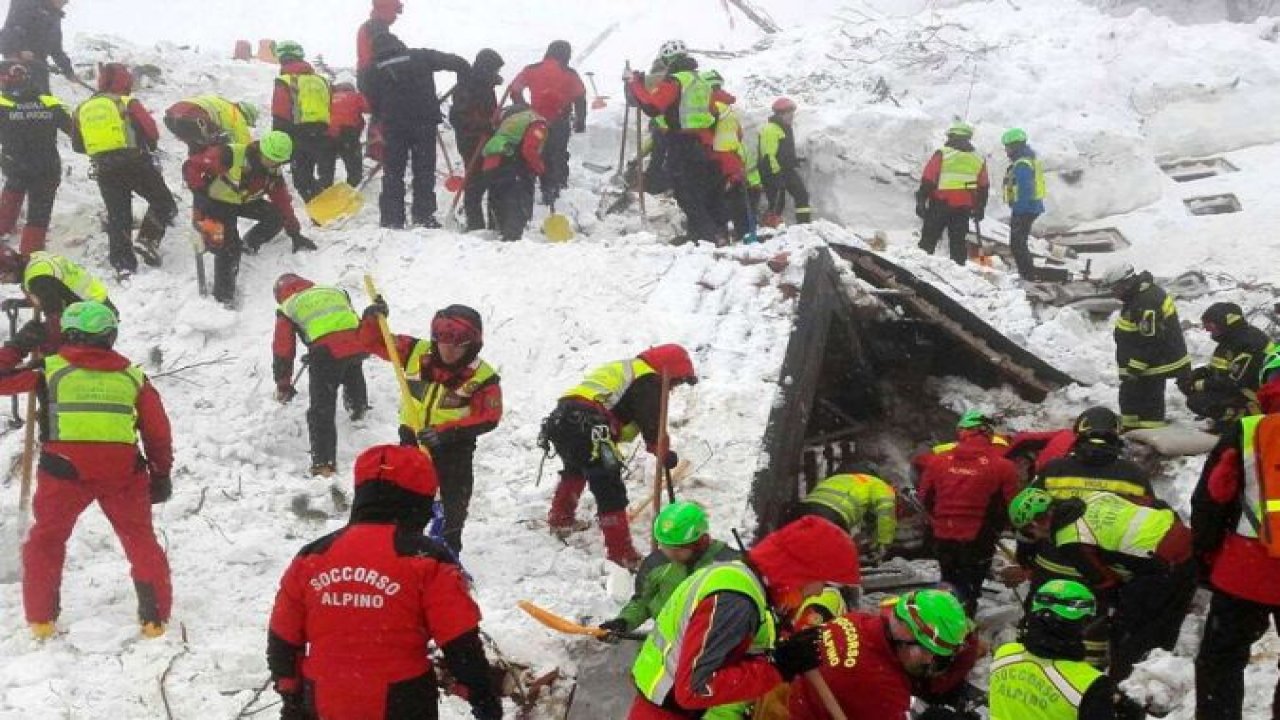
{"x": 10, "y": 305}
{"x": 488, "y": 707}
{"x": 285, "y": 393}
{"x": 797, "y": 654}
{"x": 430, "y": 438}
{"x": 671, "y": 460}
{"x": 301, "y": 242}
{"x": 636, "y": 76}
{"x": 614, "y": 627}
{"x": 580, "y": 126}
{"x": 161, "y": 488}
{"x": 30, "y": 336}
{"x": 378, "y": 307}
{"x": 922, "y": 208}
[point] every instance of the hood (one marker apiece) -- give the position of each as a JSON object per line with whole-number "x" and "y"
{"x": 94, "y": 358}
{"x": 1052, "y": 637}
{"x": 394, "y": 483}
{"x": 972, "y": 443}
{"x": 806, "y": 551}
{"x": 672, "y": 359}
{"x": 560, "y": 51}
{"x": 296, "y": 67}
{"x": 487, "y": 64}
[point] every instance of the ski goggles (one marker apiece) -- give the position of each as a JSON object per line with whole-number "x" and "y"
{"x": 453, "y": 331}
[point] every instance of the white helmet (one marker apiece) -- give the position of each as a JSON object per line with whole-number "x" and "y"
{"x": 1117, "y": 274}
{"x": 672, "y": 48}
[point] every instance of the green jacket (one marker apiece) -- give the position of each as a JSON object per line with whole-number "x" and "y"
{"x": 659, "y": 577}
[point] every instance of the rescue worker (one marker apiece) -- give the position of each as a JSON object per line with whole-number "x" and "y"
{"x": 1095, "y": 463}
{"x": 404, "y": 592}
{"x": 205, "y": 120}
{"x": 229, "y": 182}
{"x": 513, "y": 157}
{"x": 715, "y": 641}
{"x": 557, "y": 95}
{"x": 1135, "y": 559}
{"x": 382, "y": 15}
{"x": 857, "y": 499}
{"x": 474, "y": 117}
{"x": 1044, "y": 674}
{"x": 300, "y": 103}
{"x": 117, "y": 133}
{"x": 329, "y": 327}
{"x": 32, "y": 34}
{"x": 893, "y": 650}
{"x": 456, "y": 398}
{"x": 402, "y": 93}
{"x": 29, "y": 125}
{"x": 51, "y": 283}
{"x": 1224, "y": 390}
{"x": 780, "y": 167}
{"x": 1150, "y": 347}
{"x": 1024, "y": 194}
{"x": 739, "y": 168}
{"x": 347, "y": 109}
{"x": 953, "y": 188}
{"x": 964, "y": 492}
{"x": 615, "y": 403}
{"x": 686, "y": 100}
{"x": 94, "y": 407}
{"x": 1234, "y": 531}
{"x": 682, "y": 533}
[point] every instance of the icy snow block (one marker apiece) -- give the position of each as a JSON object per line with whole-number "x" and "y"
{"x": 1199, "y": 169}
{"x": 1213, "y": 204}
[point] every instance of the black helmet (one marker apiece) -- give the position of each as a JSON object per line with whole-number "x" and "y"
{"x": 1098, "y": 435}
{"x": 1220, "y": 316}
{"x": 1097, "y": 420}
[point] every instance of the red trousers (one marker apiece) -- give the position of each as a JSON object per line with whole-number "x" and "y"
{"x": 124, "y": 496}
{"x": 642, "y": 709}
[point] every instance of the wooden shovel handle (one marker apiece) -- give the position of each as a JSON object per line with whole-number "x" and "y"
{"x": 824, "y": 692}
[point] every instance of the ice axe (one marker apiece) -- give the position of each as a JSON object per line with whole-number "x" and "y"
{"x": 598, "y": 102}
{"x": 569, "y": 627}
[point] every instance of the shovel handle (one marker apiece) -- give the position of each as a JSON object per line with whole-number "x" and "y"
{"x": 828, "y": 698}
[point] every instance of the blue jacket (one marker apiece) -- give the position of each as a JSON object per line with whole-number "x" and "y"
{"x": 1024, "y": 183}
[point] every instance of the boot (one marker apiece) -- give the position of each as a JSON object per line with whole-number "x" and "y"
{"x": 617, "y": 539}
{"x": 565, "y": 501}
{"x": 32, "y": 239}
{"x": 10, "y": 207}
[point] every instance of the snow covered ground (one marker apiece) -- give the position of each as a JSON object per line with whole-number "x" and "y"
{"x": 1105, "y": 99}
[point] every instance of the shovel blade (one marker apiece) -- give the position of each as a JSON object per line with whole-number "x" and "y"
{"x": 339, "y": 201}
{"x": 557, "y": 229}
{"x": 453, "y": 183}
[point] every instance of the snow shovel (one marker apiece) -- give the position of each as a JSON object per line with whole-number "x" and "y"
{"x": 29, "y": 449}
{"x": 599, "y": 101}
{"x": 453, "y": 182}
{"x": 556, "y": 227}
{"x": 393, "y": 355}
{"x": 569, "y": 627}
{"x": 338, "y": 201}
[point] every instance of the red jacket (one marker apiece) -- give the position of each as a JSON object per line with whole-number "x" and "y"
{"x": 347, "y": 109}
{"x": 961, "y": 487}
{"x": 530, "y": 150}
{"x": 554, "y": 89}
{"x": 856, "y": 656}
{"x": 1052, "y": 445}
{"x": 380, "y": 20}
{"x": 143, "y": 124}
{"x": 201, "y": 169}
{"x": 153, "y": 422}
{"x": 665, "y": 99}
{"x": 282, "y": 96}
{"x": 1242, "y": 566}
{"x": 968, "y": 198}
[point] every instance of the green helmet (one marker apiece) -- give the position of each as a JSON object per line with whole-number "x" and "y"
{"x": 249, "y": 111}
{"x": 88, "y": 317}
{"x": 974, "y": 419}
{"x": 960, "y": 128}
{"x": 1067, "y": 599}
{"x": 1029, "y": 505}
{"x": 289, "y": 50}
{"x": 680, "y": 523}
{"x": 935, "y": 618}
{"x": 1270, "y": 364}
{"x": 276, "y": 146}
{"x": 1013, "y": 135}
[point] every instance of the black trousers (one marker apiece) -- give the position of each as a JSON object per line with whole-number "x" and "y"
{"x": 346, "y": 147}
{"x": 573, "y": 430}
{"x": 454, "y": 467}
{"x": 473, "y": 195}
{"x": 310, "y": 148}
{"x": 965, "y": 565}
{"x": 1231, "y": 629}
{"x": 1142, "y": 401}
{"x": 39, "y": 192}
{"x": 1215, "y": 404}
{"x": 697, "y": 184}
{"x": 777, "y": 187}
{"x": 1149, "y": 615}
{"x": 1019, "y": 232}
{"x": 121, "y": 174}
{"x": 738, "y": 208}
{"x": 226, "y": 259}
{"x": 955, "y": 221}
{"x": 408, "y": 148}
{"x": 327, "y": 376}
{"x": 555, "y": 154}
{"x": 510, "y": 188}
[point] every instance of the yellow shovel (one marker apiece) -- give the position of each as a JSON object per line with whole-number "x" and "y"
{"x": 339, "y": 201}
{"x": 556, "y": 227}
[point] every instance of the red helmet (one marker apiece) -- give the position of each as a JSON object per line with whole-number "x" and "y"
{"x": 673, "y": 360}
{"x": 783, "y": 105}
{"x": 457, "y": 325}
{"x": 13, "y": 75}
{"x": 114, "y": 77}
{"x": 11, "y": 262}
{"x": 400, "y": 465}
{"x": 288, "y": 285}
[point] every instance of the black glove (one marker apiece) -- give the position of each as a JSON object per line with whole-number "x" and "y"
{"x": 30, "y": 336}
{"x": 161, "y": 488}
{"x": 922, "y": 208}
{"x": 9, "y": 305}
{"x": 292, "y": 707}
{"x": 671, "y": 460}
{"x": 488, "y": 707}
{"x": 378, "y": 307}
{"x": 407, "y": 438}
{"x": 797, "y": 654}
{"x": 301, "y": 242}
{"x": 614, "y": 627}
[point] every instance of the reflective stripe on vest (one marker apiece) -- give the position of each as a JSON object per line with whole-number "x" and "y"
{"x": 1116, "y": 525}
{"x": 228, "y": 188}
{"x": 606, "y": 385}
{"x": 1011, "y": 183}
{"x": 960, "y": 169}
{"x": 728, "y": 136}
{"x": 78, "y": 280}
{"x": 431, "y": 404}
{"x": 227, "y": 116}
{"x": 47, "y": 101}
{"x": 1072, "y": 486}
{"x": 92, "y": 405}
{"x": 695, "y": 101}
{"x": 1026, "y": 687}
{"x": 311, "y": 97}
{"x": 1260, "y": 514}
{"x": 510, "y": 134}
{"x": 320, "y": 311}
{"x": 654, "y": 671}
{"x": 104, "y": 124}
